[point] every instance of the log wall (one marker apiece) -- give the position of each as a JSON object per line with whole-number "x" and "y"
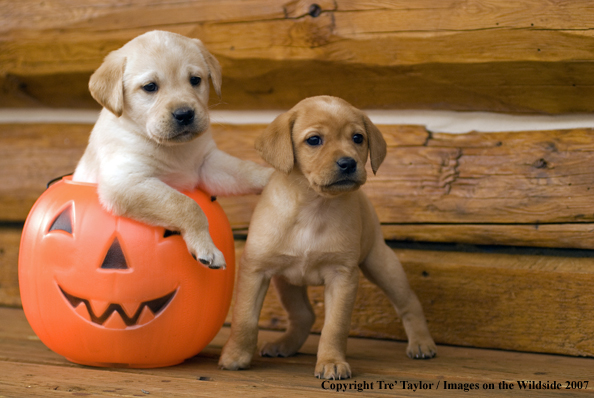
{"x": 532, "y": 188}
{"x": 524, "y": 57}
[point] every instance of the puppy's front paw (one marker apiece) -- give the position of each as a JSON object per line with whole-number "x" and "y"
{"x": 421, "y": 348}
{"x": 234, "y": 360}
{"x": 203, "y": 250}
{"x": 213, "y": 259}
{"x": 333, "y": 370}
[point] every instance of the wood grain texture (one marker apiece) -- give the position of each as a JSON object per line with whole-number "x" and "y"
{"x": 528, "y": 177}
{"x": 10, "y": 239}
{"x": 523, "y": 189}
{"x": 32, "y": 155}
{"x": 30, "y": 369}
{"x": 501, "y": 55}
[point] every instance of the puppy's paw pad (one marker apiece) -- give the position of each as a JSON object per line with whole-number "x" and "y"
{"x": 338, "y": 370}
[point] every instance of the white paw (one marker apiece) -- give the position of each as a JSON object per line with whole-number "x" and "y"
{"x": 203, "y": 250}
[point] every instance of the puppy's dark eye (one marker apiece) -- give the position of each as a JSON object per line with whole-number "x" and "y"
{"x": 358, "y": 139}
{"x": 314, "y": 140}
{"x": 151, "y": 87}
{"x": 195, "y": 80}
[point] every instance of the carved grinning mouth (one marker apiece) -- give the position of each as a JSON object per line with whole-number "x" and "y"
{"x": 145, "y": 312}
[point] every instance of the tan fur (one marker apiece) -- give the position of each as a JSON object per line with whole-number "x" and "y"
{"x": 306, "y": 230}
{"x": 140, "y": 155}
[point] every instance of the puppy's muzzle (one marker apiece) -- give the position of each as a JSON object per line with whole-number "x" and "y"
{"x": 347, "y": 165}
{"x": 184, "y": 116}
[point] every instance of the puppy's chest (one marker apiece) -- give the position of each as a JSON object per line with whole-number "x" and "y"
{"x": 309, "y": 252}
{"x": 179, "y": 167}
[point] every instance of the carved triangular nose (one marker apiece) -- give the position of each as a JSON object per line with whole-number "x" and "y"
{"x": 115, "y": 259}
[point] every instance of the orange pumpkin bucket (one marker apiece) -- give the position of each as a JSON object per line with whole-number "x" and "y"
{"x": 103, "y": 290}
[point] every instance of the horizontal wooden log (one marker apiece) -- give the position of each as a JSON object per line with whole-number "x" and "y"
{"x": 32, "y": 155}
{"x": 529, "y": 177}
{"x": 533, "y": 56}
{"x": 523, "y": 189}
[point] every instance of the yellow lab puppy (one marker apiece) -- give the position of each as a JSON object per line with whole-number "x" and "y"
{"x": 313, "y": 226}
{"x": 153, "y": 139}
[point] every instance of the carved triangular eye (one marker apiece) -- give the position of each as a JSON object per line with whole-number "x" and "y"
{"x": 115, "y": 259}
{"x": 64, "y": 221}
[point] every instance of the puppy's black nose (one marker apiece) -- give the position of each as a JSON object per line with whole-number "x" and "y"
{"x": 184, "y": 116}
{"x": 347, "y": 165}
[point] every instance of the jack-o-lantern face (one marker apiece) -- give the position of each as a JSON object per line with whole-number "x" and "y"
{"x": 105, "y": 290}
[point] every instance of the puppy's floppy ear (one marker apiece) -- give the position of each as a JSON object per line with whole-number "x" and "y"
{"x": 107, "y": 83}
{"x": 214, "y": 68}
{"x": 377, "y": 144}
{"x": 275, "y": 144}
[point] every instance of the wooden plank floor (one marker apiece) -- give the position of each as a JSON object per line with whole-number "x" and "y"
{"x": 29, "y": 369}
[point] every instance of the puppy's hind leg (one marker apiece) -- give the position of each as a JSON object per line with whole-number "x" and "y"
{"x": 301, "y": 318}
{"x": 383, "y": 268}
